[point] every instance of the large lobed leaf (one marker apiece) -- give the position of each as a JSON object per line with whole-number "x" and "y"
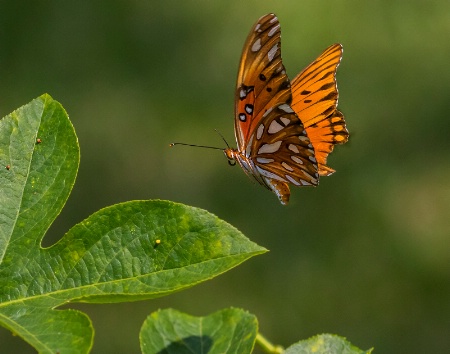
{"x": 126, "y": 252}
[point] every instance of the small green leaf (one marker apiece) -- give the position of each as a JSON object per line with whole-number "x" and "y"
{"x": 227, "y": 331}
{"x": 127, "y": 252}
{"x": 325, "y": 344}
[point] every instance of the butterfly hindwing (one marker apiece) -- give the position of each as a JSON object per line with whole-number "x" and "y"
{"x": 315, "y": 99}
{"x": 324, "y": 135}
{"x": 281, "y": 150}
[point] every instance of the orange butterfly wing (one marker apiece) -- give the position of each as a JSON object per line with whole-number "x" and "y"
{"x": 273, "y": 146}
{"x": 262, "y": 81}
{"x": 315, "y": 99}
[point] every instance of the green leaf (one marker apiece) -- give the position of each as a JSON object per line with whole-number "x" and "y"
{"x": 126, "y": 252}
{"x": 226, "y": 331}
{"x": 40, "y": 176}
{"x": 325, "y": 344}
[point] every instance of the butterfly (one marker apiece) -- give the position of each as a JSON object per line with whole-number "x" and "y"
{"x": 284, "y": 129}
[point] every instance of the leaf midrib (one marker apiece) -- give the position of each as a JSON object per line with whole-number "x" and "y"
{"x": 3, "y": 252}
{"x": 59, "y": 292}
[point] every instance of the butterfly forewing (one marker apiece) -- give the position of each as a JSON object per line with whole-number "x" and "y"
{"x": 273, "y": 145}
{"x": 315, "y": 98}
{"x": 262, "y": 81}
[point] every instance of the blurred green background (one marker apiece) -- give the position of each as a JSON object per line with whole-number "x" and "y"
{"x": 366, "y": 255}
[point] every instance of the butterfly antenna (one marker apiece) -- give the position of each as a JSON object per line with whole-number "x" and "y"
{"x": 200, "y": 146}
{"x": 223, "y": 138}
{"x": 231, "y": 160}
{"x": 204, "y": 146}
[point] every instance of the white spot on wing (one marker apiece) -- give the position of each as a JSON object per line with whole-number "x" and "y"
{"x": 303, "y": 138}
{"x": 305, "y": 183}
{"x": 293, "y": 148}
{"x": 274, "y": 127}
{"x": 312, "y": 158}
{"x": 267, "y": 112}
{"x": 285, "y": 107}
{"x": 272, "y": 51}
{"x": 257, "y": 45}
{"x": 297, "y": 159}
{"x": 264, "y": 160}
{"x": 268, "y": 174}
{"x": 290, "y": 179}
{"x": 258, "y": 26}
{"x": 286, "y": 166}
{"x": 314, "y": 180}
{"x": 269, "y": 148}
{"x": 260, "y": 131}
{"x": 273, "y": 30}
{"x": 285, "y": 121}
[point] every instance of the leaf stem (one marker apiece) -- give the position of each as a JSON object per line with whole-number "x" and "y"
{"x": 267, "y": 346}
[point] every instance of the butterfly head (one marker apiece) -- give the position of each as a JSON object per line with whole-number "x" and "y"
{"x": 231, "y": 155}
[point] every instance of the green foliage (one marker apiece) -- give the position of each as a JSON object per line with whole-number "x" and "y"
{"x": 127, "y": 252}
{"x": 325, "y": 344}
{"x": 226, "y": 331}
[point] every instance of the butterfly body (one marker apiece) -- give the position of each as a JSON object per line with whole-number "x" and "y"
{"x": 277, "y": 121}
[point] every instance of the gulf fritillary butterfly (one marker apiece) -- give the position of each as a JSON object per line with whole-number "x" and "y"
{"x": 285, "y": 130}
